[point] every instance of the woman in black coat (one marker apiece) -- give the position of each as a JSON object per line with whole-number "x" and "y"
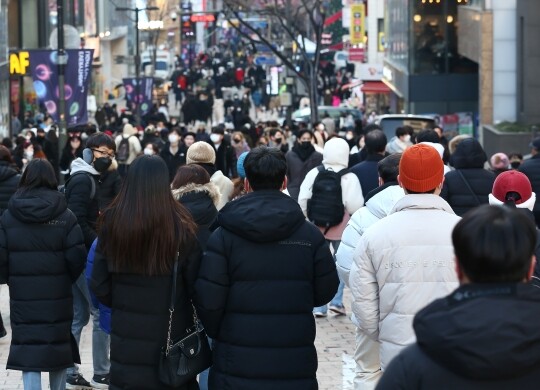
{"x": 41, "y": 254}
{"x": 9, "y": 177}
{"x": 469, "y": 185}
{"x": 194, "y": 190}
{"x": 72, "y": 151}
{"x": 132, "y": 273}
{"x": 301, "y": 159}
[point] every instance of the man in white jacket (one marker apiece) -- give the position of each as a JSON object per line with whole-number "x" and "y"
{"x": 378, "y": 204}
{"x": 406, "y": 260}
{"x": 335, "y": 158}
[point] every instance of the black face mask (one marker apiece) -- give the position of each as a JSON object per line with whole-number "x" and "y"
{"x": 515, "y": 164}
{"x": 102, "y": 164}
{"x": 277, "y": 140}
{"x": 305, "y": 144}
{"x": 236, "y": 141}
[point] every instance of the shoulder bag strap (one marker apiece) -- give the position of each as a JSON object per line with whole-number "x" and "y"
{"x": 469, "y": 186}
{"x": 172, "y": 304}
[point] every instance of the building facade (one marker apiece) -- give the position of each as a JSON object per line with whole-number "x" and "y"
{"x": 422, "y": 65}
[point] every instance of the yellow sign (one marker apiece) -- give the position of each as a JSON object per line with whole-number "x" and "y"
{"x": 381, "y": 41}
{"x": 357, "y": 29}
{"x": 19, "y": 63}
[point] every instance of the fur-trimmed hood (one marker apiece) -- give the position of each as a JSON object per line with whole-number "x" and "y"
{"x": 210, "y": 188}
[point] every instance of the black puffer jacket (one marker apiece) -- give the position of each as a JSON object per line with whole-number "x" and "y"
{"x": 41, "y": 254}
{"x": 140, "y": 317}
{"x": 173, "y": 161}
{"x": 481, "y": 337}
{"x": 264, "y": 270}
{"x": 468, "y": 160}
{"x": 531, "y": 168}
{"x": 299, "y": 163}
{"x": 226, "y": 159}
{"x": 9, "y": 180}
{"x": 202, "y": 202}
{"x": 78, "y": 195}
{"x": 109, "y": 187}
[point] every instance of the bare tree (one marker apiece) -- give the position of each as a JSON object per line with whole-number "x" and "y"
{"x": 296, "y": 21}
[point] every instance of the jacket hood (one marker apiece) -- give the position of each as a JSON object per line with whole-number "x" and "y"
{"x": 382, "y": 203}
{"x": 483, "y": 331}
{"x": 128, "y": 130}
{"x": 37, "y": 206}
{"x": 468, "y": 154}
{"x": 336, "y": 154}
{"x": 80, "y": 165}
{"x": 422, "y": 202}
{"x": 262, "y": 216}
{"x": 201, "y": 201}
{"x": 6, "y": 171}
{"x": 208, "y": 188}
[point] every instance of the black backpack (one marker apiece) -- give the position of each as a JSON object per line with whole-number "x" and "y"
{"x": 122, "y": 154}
{"x": 325, "y": 208}
{"x": 62, "y": 188}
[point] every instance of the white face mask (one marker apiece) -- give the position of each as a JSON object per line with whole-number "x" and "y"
{"x": 29, "y": 153}
{"x": 215, "y": 137}
{"x": 407, "y": 138}
{"x": 349, "y": 136}
{"x": 173, "y": 138}
{"x": 149, "y": 152}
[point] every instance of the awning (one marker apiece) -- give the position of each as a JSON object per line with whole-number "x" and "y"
{"x": 375, "y": 87}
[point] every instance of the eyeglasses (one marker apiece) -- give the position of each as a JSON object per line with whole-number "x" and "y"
{"x": 103, "y": 153}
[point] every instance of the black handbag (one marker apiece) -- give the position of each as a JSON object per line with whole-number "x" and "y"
{"x": 181, "y": 361}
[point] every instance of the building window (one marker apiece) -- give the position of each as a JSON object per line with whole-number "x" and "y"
{"x": 435, "y": 38}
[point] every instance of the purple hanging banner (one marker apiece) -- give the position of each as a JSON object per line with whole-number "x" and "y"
{"x": 44, "y": 70}
{"x": 145, "y": 92}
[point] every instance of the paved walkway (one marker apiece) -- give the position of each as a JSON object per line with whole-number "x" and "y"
{"x": 335, "y": 346}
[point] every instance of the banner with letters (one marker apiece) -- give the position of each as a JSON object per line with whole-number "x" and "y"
{"x": 44, "y": 72}
{"x": 141, "y": 95}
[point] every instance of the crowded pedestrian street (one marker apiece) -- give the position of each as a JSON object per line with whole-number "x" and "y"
{"x": 269, "y": 195}
{"x": 334, "y": 342}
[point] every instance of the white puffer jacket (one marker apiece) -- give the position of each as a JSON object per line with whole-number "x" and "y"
{"x": 402, "y": 263}
{"x": 376, "y": 208}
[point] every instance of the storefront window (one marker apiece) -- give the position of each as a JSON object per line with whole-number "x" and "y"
{"x": 435, "y": 37}
{"x": 397, "y": 33}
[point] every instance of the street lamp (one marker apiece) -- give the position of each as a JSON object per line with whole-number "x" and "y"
{"x": 137, "y": 53}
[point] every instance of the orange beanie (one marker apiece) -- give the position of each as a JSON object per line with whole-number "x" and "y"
{"x": 421, "y": 168}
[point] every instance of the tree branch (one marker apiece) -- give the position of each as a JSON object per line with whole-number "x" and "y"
{"x": 261, "y": 39}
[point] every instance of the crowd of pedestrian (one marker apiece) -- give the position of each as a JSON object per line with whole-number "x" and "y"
{"x": 254, "y": 232}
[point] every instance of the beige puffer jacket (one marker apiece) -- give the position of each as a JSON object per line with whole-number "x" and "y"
{"x": 402, "y": 263}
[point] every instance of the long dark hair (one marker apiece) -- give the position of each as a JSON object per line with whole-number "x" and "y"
{"x": 39, "y": 173}
{"x": 144, "y": 227}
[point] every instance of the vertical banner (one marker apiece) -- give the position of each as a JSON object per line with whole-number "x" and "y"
{"x": 145, "y": 92}
{"x": 357, "y": 27}
{"x": 44, "y": 71}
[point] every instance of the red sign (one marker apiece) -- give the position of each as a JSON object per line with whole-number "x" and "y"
{"x": 356, "y": 54}
{"x": 203, "y": 18}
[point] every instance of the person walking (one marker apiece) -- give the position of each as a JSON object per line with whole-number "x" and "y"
{"x": 203, "y": 154}
{"x": 405, "y": 260}
{"x": 301, "y": 159}
{"x": 378, "y": 204}
{"x": 483, "y": 335}
{"x": 337, "y": 202}
{"x": 264, "y": 269}
{"x": 194, "y": 190}
{"x": 128, "y": 148}
{"x": 82, "y": 194}
{"x": 469, "y": 185}
{"x": 41, "y": 254}
{"x": 132, "y": 273}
